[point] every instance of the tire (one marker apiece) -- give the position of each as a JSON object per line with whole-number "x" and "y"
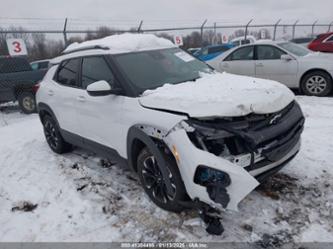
{"x": 156, "y": 189}
{"x": 53, "y": 136}
{"x": 27, "y": 102}
{"x": 317, "y": 83}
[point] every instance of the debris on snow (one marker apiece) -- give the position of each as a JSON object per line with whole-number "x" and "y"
{"x": 24, "y": 206}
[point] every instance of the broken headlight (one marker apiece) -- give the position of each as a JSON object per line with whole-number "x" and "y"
{"x": 207, "y": 176}
{"x": 216, "y": 182}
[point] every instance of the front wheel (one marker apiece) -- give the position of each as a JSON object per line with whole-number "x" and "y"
{"x": 316, "y": 83}
{"x": 27, "y": 102}
{"x": 53, "y": 136}
{"x": 154, "y": 185}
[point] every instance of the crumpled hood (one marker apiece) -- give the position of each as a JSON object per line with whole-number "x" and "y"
{"x": 220, "y": 95}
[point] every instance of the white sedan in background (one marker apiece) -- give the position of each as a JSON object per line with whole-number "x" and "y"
{"x": 285, "y": 62}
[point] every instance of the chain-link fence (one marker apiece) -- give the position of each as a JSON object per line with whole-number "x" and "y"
{"x": 46, "y": 42}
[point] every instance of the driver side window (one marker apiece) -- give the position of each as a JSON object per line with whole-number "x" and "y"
{"x": 95, "y": 69}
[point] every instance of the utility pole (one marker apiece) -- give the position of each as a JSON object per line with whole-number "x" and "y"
{"x": 246, "y": 28}
{"x": 275, "y": 27}
{"x": 201, "y": 31}
{"x": 64, "y": 33}
{"x": 313, "y": 26}
{"x": 294, "y": 29}
{"x": 140, "y": 26}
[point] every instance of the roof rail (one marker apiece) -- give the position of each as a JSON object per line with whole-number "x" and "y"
{"x": 85, "y": 48}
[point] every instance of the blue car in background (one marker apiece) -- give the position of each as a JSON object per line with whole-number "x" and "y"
{"x": 212, "y": 51}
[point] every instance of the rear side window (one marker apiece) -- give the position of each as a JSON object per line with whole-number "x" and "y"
{"x": 67, "y": 73}
{"x": 245, "y": 53}
{"x": 95, "y": 69}
{"x": 12, "y": 65}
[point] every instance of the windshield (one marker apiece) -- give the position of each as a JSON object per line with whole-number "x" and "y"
{"x": 152, "y": 69}
{"x": 295, "y": 49}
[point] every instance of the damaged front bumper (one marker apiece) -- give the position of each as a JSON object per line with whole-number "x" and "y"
{"x": 223, "y": 160}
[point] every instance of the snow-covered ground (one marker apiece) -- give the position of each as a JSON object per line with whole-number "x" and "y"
{"x": 82, "y": 198}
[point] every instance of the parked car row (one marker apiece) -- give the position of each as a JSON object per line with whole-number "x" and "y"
{"x": 18, "y": 82}
{"x": 285, "y": 62}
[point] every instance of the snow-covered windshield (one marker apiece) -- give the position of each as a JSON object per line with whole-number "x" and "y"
{"x": 294, "y": 48}
{"x": 154, "y": 68}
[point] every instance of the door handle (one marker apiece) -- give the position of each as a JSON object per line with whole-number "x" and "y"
{"x": 259, "y": 65}
{"x": 81, "y": 98}
{"x": 50, "y": 93}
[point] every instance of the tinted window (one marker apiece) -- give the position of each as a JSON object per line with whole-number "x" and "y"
{"x": 34, "y": 66}
{"x": 12, "y": 65}
{"x": 67, "y": 74}
{"x": 269, "y": 53}
{"x": 245, "y": 53}
{"x": 44, "y": 64}
{"x": 95, "y": 69}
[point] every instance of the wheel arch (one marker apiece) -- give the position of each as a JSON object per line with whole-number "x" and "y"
{"x": 140, "y": 136}
{"x": 311, "y": 71}
{"x": 45, "y": 110}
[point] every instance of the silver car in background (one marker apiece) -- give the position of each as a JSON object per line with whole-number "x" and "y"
{"x": 285, "y": 62}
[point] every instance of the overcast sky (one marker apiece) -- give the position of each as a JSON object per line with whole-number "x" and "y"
{"x": 184, "y": 12}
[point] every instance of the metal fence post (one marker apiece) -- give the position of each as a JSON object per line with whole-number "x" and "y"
{"x": 329, "y": 27}
{"x": 313, "y": 26}
{"x": 246, "y": 28}
{"x": 65, "y": 33}
{"x": 201, "y": 31}
{"x": 294, "y": 28}
{"x": 140, "y": 26}
{"x": 275, "y": 27}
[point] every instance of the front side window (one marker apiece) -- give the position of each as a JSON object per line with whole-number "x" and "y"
{"x": 241, "y": 54}
{"x": 67, "y": 73}
{"x": 95, "y": 69}
{"x": 267, "y": 52}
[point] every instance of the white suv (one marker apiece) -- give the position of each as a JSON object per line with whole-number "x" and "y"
{"x": 195, "y": 137}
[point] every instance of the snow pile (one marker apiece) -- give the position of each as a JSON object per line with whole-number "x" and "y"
{"x": 124, "y": 43}
{"x": 220, "y": 95}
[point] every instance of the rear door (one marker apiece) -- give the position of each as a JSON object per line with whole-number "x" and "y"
{"x": 269, "y": 65}
{"x": 64, "y": 95}
{"x": 241, "y": 62}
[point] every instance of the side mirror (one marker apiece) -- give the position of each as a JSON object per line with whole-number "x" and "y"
{"x": 99, "y": 88}
{"x": 286, "y": 57}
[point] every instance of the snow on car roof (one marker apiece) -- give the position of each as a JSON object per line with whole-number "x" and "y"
{"x": 123, "y": 43}
{"x": 114, "y": 44}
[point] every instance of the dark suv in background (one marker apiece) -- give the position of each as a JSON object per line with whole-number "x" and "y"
{"x": 18, "y": 82}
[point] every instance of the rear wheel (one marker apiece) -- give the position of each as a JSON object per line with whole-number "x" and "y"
{"x": 154, "y": 185}
{"x": 27, "y": 102}
{"x": 317, "y": 83}
{"x": 53, "y": 136}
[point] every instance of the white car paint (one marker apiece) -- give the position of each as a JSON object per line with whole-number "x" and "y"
{"x": 107, "y": 119}
{"x": 286, "y": 72}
